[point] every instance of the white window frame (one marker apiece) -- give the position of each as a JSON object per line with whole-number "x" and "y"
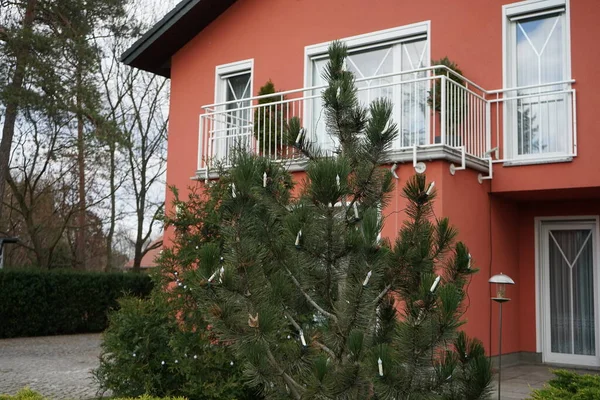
{"x": 369, "y": 40}
{"x": 223, "y": 72}
{"x": 513, "y": 12}
{"x": 226, "y": 70}
{"x": 364, "y": 42}
{"x": 542, "y": 337}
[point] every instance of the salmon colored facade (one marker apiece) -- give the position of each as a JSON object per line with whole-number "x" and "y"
{"x": 533, "y": 218}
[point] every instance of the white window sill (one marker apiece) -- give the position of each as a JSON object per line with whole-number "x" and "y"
{"x": 536, "y": 161}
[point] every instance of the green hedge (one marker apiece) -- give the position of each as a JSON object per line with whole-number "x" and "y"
{"x": 569, "y": 385}
{"x": 40, "y": 303}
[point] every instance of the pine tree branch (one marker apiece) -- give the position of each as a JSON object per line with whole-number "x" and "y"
{"x": 291, "y": 383}
{"x": 309, "y": 299}
{"x": 382, "y": 294}
{"x": 325, "y": 349}
{"x": 293, "y": 321}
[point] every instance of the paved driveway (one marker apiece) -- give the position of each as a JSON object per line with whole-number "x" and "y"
{"x": 56, "y": 366}
{"x": 59, "y": 367}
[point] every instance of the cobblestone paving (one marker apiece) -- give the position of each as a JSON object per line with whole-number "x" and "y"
{"x": 56, "y": 366}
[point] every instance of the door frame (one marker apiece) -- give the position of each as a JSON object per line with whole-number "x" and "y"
{"x": 542, "y": 295}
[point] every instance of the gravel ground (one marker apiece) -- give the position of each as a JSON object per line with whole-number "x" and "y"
{"x": 58, "y": 367}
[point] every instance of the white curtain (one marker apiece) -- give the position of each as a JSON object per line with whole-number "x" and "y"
{"x": 542, "y": 117}
{"x": 572, "y": 323}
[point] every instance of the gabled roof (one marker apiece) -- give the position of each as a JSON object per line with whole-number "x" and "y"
{"x": 153, "y": 51}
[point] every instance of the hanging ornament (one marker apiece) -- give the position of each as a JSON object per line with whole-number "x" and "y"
{"x": 337, "y": 181}
{"x": 469, "y": 264}
{"x": 339, "y": 91}
{"x": 221, "y": 273}
{"x": 176, "y": 361}
{"x": 366, "y": 281}
{"x": 435, "y": 284}
{"x": 380, "y": 366}
{"x": 195, "y": 357}
{"x": 299, "y": 137}
{"x": 430, "y": 188}
{"x": 298, "y": 237}
{"x": 212, "y": 277}
{"x": 253, "y": 321}
{"x": 231, "y": 363}
{"x": 355, "y": 206}
{"x": 302, "y": 338}
{"x": 162, "y": 363}
{"x": 265, "y": 180}
{"x": 233, "y": 193}
{"x": 134, "y": 354}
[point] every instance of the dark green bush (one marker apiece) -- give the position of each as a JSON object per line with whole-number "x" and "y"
{"x": 569, "y": 386}
{"x": 148, "y": 350}
{"x": 39, "y": 303}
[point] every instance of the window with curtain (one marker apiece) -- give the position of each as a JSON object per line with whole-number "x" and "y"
{"x": 374, "y": 67}
{"x": 537, "y": 46}
{"x": 234, "y": 128}
{"x": 571, "y": 270}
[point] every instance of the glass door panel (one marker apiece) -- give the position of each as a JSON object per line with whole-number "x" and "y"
{"x": 570, "y": 271}
{"x": 370, "y": 67}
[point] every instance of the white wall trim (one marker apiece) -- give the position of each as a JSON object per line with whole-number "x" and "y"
{"x": 538, "y": 221}
{"x": 530, "y": 6}
{"x": 397, "y": 33}
{"x": 232, "y": 68}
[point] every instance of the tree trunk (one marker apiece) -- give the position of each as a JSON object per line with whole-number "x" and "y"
{"x": 80, "y": 259}
{"x": 12, "y": 103}
{"x": 113, "y": 211}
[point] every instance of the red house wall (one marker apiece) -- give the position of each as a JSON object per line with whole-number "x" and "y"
{"x": 274, "y": 33}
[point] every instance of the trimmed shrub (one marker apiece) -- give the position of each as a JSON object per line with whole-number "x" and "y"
{"x": 40, "y": 303}
{"x": 569, "y": 386}
{"x": 148, "y": 349}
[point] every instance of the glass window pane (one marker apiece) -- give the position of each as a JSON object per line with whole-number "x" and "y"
{"x": 542, "y": 117}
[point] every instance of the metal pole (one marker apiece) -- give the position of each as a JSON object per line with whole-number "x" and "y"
{"x": 500, "y": 355}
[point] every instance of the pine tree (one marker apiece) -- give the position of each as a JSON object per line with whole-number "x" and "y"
{"x": 314, "y": 303}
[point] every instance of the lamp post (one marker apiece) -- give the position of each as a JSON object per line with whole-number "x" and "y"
{"x": 501, "y": 281}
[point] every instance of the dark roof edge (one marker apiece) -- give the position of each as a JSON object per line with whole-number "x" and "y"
{"x": 135, "y": 50}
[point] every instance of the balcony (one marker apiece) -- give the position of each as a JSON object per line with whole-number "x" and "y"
{"x": 440, "y": 115}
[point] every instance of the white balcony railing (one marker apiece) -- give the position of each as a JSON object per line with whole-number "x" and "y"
{"x": 433, "y": 107}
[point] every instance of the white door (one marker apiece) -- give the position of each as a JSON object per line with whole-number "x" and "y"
{"x": 570, "y": 293}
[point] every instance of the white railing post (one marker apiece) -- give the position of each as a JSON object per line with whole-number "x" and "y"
{"x": 488, "y": 127}
{"x": 574, "y": 127}
{"x": 443, "y": 121}
{"x": 200, "y": 139}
